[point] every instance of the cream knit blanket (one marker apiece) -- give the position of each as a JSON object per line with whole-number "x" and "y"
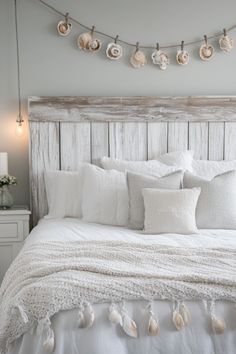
{"x": 48, "y": 277}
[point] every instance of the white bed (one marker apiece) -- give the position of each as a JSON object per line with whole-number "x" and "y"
{"x": 103, "y": 337}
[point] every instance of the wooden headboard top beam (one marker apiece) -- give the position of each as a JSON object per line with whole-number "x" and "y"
{"x": 67, "y": 130}
{"x": 133, "y": 109}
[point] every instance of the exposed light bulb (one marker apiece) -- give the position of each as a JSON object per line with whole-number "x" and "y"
{"x": 19, "y": 130}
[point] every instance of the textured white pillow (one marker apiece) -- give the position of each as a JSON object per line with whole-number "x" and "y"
{"x": 161, "y": 166}
{"x": 216, "y": 207}
{"x": 210, "y": 169}
{"x": 170, "y": 211}
{"x": 64, "y": 193}
{"x": 105, "y": 196}
{"x": 136, "y": 182}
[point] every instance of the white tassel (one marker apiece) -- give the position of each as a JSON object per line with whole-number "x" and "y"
{"x": 218, "y": 324}
{"x": 49, "y": 343}
{"x": 18, "y": 309}
{"x": 114, "y": 315}
{"x": 128, "y": 324}
{"x": 153, "y": 325}
{"x": 90, "y": 316}
{"x": 178, "y": 320}
{"x": 81, "y": 318}
{"x": 185, "y": 313}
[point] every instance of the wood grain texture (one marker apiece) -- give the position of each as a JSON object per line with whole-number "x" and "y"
{"x": 216, "y": 141}
{"x": 230, "y": 141}
{"x": 177, "y": 136}
{"x": 44, "y": 155}
{"x": 75, "y": 145}
{"x": 133, "y": 109}
{"x": 128, "y": 141}
{"x": 157, "y": 139}
{"x": 198, "y": 140}
{"x": 100, "y": 141}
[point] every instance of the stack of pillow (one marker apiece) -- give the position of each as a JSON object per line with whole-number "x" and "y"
{"x": 173, "y": 194}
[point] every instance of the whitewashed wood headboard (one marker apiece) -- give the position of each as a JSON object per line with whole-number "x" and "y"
{"x": 67, "y": 130}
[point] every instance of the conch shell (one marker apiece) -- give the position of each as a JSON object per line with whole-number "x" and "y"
{"x": 182, "y": 57}
{"x": 138, "y": 58}
{"x": 153, "y": 326}
{"x": 178, "y": 320}
{"x": 226, "y": 43}
{"x": 83, "y": 40}
{"x": 218, "y": 324}
{"x": 114, "y": 51}
{"x": 160, "y": 58}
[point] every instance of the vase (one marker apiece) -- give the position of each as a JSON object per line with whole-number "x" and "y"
{"x": 6, "y": 199}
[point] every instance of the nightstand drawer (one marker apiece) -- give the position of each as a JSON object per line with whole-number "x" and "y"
{"x": 11, "y": 231}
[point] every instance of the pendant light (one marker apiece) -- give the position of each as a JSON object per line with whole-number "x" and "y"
{"x": 19, "y": 120}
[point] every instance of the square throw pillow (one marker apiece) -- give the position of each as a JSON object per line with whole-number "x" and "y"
{"x": 216, "y": 207}
{"x": 64, "y": 193}
{"x": 170, "y": 211}
{"x": 209, "y": 169}
{"x": 105, "y": 196}
{"x": 136, "y": 182}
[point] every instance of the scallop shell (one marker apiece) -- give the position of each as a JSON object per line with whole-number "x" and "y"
{"x": 114, "y": 51}
{"x": 114, "y": 316}
{"x": 138, "y": 59}
{"x": 182, "y": 57}
{"x": 206, "y": 52}
{"x": 153, "y": 327}
{"x": 226, "y": 43}
{"x": 185, "y": 313}
{"x": 129, "y": 326}
{"x": 83, "y": 40}
{"x": 94, "y": 45}
{"x": 178, "y": 320}
{"x": 64, "y": 28}
{"x": 218, "y": 324}
{"x": 160, "y": 58}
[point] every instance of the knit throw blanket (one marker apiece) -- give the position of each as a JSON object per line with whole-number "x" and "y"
{"x": 48, "y": 277}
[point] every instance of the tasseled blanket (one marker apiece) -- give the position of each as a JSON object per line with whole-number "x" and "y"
{"x": 48, "y": 277}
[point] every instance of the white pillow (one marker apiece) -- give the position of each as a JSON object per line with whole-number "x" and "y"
{"x": 216, "y": 207}
{"x": 64, "y": 193}
{"x": 137, "y": 182}
{"x": 170, "y": 211}
{"x": 210, "y": 169}
{"x": 105, "y": 196}
{"x": 163, "y": 165}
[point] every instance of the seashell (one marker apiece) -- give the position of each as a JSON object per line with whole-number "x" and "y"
{"x": 94, "y": 45}
{"x": 114, "y": 51}
{"x": 178, "y": 320}
{"x": 81, "y": 319}
{"x": 160, "y": 58}
{"x": 218, "y": 324}
{"x": 49, "y": 343}
{"x": 226, "y": 43}
{"x": 138, "y": 59}
{"x": 182, "y": 57}
{"x": 153, "y": 327}
{"x": 185, "y": 313}
{"x": 64, "y": 28}
{"x": 114, "y": 316}
{"x": 129, "y": 326}
{"x": 89, "y": 316}
{"x": 83, "y": 40}
{"x": 206, "y": 52}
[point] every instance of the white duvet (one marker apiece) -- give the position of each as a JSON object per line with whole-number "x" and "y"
{"x": 103, "y": 337}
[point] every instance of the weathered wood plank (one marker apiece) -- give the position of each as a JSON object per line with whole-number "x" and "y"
{"x": 44, "y": 155}
{"x": 100, "y": 140}
{"x": 157, "y": 139}
{"x": 230, "y": 141}
{"x": 216, "y": 141}
{"x": 75, "y": 145}
{"x": 128, "y": 141}
{"x": 198, "y": 140}
{"x": 133, "y": 109}
{"x": 177, "y": 136}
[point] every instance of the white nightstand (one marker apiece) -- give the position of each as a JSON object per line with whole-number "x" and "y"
{"x": 14, "y": 228}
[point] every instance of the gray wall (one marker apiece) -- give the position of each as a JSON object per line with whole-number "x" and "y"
{"x": 51, "y": 65}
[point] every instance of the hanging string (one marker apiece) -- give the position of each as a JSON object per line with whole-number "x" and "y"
{"x": 18, "y": 64}
{"x": 217, "y": 35}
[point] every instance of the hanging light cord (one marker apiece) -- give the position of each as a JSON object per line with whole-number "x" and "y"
{"x": 129, "y": 43}
{"x": 19, "y": 119}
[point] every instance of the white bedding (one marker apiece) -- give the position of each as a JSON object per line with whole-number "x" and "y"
{"x": 103, "y": 337}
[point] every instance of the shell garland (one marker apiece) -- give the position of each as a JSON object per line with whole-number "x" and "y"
{"x": 138, "y": 58}
{"x": 226, "y": 43}
{"x": 114, "y": 51}
{"x": 161, "y": 59}
{"x": 182, "y": 57}
{"x": 206, "y": 52}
